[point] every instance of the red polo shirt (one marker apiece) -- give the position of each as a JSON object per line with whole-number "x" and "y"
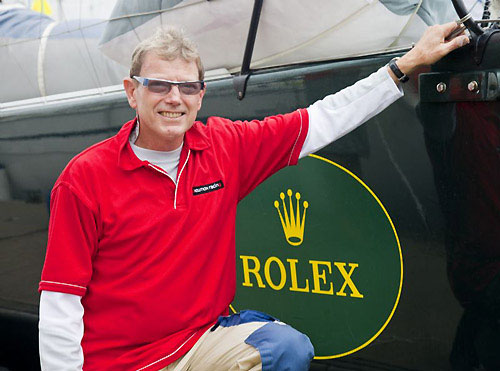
{"x": 155, "y": 262}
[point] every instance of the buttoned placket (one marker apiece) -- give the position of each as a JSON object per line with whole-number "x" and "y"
{"x": 193, "y": 141}
{"x": 176, "y": 183}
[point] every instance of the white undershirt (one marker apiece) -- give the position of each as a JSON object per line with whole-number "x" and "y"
{"x": 166, "y": 160}
{"x": 61, "y": 315}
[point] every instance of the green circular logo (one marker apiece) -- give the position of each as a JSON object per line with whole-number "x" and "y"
{"x": 316, "y": 248}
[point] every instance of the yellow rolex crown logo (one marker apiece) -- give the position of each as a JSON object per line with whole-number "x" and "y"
{"x": 293, "y": 223}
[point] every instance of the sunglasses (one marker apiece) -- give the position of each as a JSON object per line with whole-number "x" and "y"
{"x": 160, "y": 86}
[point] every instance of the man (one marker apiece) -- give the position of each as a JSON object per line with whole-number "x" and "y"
{"x": 140, "y": 265}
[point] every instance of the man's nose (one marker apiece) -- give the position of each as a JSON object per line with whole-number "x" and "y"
{"x": 173, "y": 96}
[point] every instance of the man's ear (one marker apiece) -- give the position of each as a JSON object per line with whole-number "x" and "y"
{"x": 202, "y": 93}
{"x": 130, "y": 87}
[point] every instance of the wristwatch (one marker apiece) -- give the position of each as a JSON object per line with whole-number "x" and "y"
{"x": 394, "y": 68}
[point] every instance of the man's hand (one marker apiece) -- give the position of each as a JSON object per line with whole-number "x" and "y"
{"x": 431, "y": 47}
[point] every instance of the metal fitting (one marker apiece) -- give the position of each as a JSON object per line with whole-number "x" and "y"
{"x": 441, "y": 87}
{"x": 473, "y": 86}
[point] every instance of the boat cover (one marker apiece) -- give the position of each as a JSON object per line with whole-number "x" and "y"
{"x": 290, "y": 31}
{"x": 44, "y": 57}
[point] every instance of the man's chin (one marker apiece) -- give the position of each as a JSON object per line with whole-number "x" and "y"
{"x": 174, "y": 134}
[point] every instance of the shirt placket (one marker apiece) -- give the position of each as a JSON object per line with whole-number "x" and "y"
{"x": 183, "y": 161}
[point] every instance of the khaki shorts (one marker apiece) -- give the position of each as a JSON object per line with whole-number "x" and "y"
{"x": 248, "y": 340}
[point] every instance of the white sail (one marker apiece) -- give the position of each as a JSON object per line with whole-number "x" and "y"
{"x": 45, "y": 57}
{"x": 291, "y": 31}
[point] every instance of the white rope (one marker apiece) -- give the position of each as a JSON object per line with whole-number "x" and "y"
{"x": 41, "y": 58}
{"x": 394, "y": 43}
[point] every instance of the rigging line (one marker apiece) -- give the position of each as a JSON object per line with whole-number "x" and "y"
{"x": 68, "y": 30}
{"x": 159, "y": 11}
{"x": 377, "y": 53}
{"x": 131, "y": 15}
{"x": 474, "y": 6}
{"x": 78, "y": 50}
{"x": 307, "y": 42}
{"x": 82, "y": 56}
{"x": 40, "y": 18}
{"x": 151, "y": 12}
{"x": 394, "y": 43}
{"x": 161, "y": 20}
{"x": 25, "y": 74}
{"x": 41, "y": 58}
{"x": 99, "y": 85}
{"x": 134, "y": 30}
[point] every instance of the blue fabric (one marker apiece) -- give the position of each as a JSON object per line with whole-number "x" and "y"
{"x": 282, "y": 348}
{"x": 22, "y": 23}
{"x": 28, "y": 24}
{"x": 245, "y": 316}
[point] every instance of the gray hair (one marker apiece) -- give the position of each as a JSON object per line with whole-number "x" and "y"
{"x": 168, "y": 43}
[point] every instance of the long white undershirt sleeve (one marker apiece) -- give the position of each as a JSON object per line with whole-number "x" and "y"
{"x": 60, "y": 332}
{"x": 338, "y": 114}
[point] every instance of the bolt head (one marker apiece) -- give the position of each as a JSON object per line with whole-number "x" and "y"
{"x": 441, "y": 87}
{"x": 473, "y": 86}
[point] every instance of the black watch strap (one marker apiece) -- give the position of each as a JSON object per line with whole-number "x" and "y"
{"x": 394, "y": 68}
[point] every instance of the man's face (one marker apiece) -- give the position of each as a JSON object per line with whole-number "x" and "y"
{"x": 164, "y": 118}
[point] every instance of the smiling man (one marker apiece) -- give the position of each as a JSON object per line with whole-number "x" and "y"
{"x": 165, "y": 115}
{"x": 140, "y": 264}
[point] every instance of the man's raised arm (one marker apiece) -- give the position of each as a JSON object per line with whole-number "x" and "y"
{"x": 340, "y": 113}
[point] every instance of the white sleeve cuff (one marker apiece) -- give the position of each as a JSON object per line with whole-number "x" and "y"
{"x": 338, "y": 114}
{"x": 60, "y": 332}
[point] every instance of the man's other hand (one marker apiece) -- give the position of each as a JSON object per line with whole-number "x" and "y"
{"x": 431, "y": 47}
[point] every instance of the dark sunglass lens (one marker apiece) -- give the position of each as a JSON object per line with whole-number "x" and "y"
{"x": 190, "y": 88}
{"x": 162, "y": 87}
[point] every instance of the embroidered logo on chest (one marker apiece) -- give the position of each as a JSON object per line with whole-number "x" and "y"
{"x": 215, "y": 186}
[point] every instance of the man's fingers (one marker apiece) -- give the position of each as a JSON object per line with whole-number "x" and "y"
{"x": 448, "y": 28}
{"x": 461, "y": 41}
{"x": 457, "y": 42}
{"x": 433, "y": 45}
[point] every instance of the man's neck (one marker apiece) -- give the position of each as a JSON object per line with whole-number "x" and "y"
{"x": 160, "y": 146}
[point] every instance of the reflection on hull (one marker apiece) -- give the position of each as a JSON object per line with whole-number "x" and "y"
{"x": 406, "y": 160}
{"x": 37, "y": 142}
